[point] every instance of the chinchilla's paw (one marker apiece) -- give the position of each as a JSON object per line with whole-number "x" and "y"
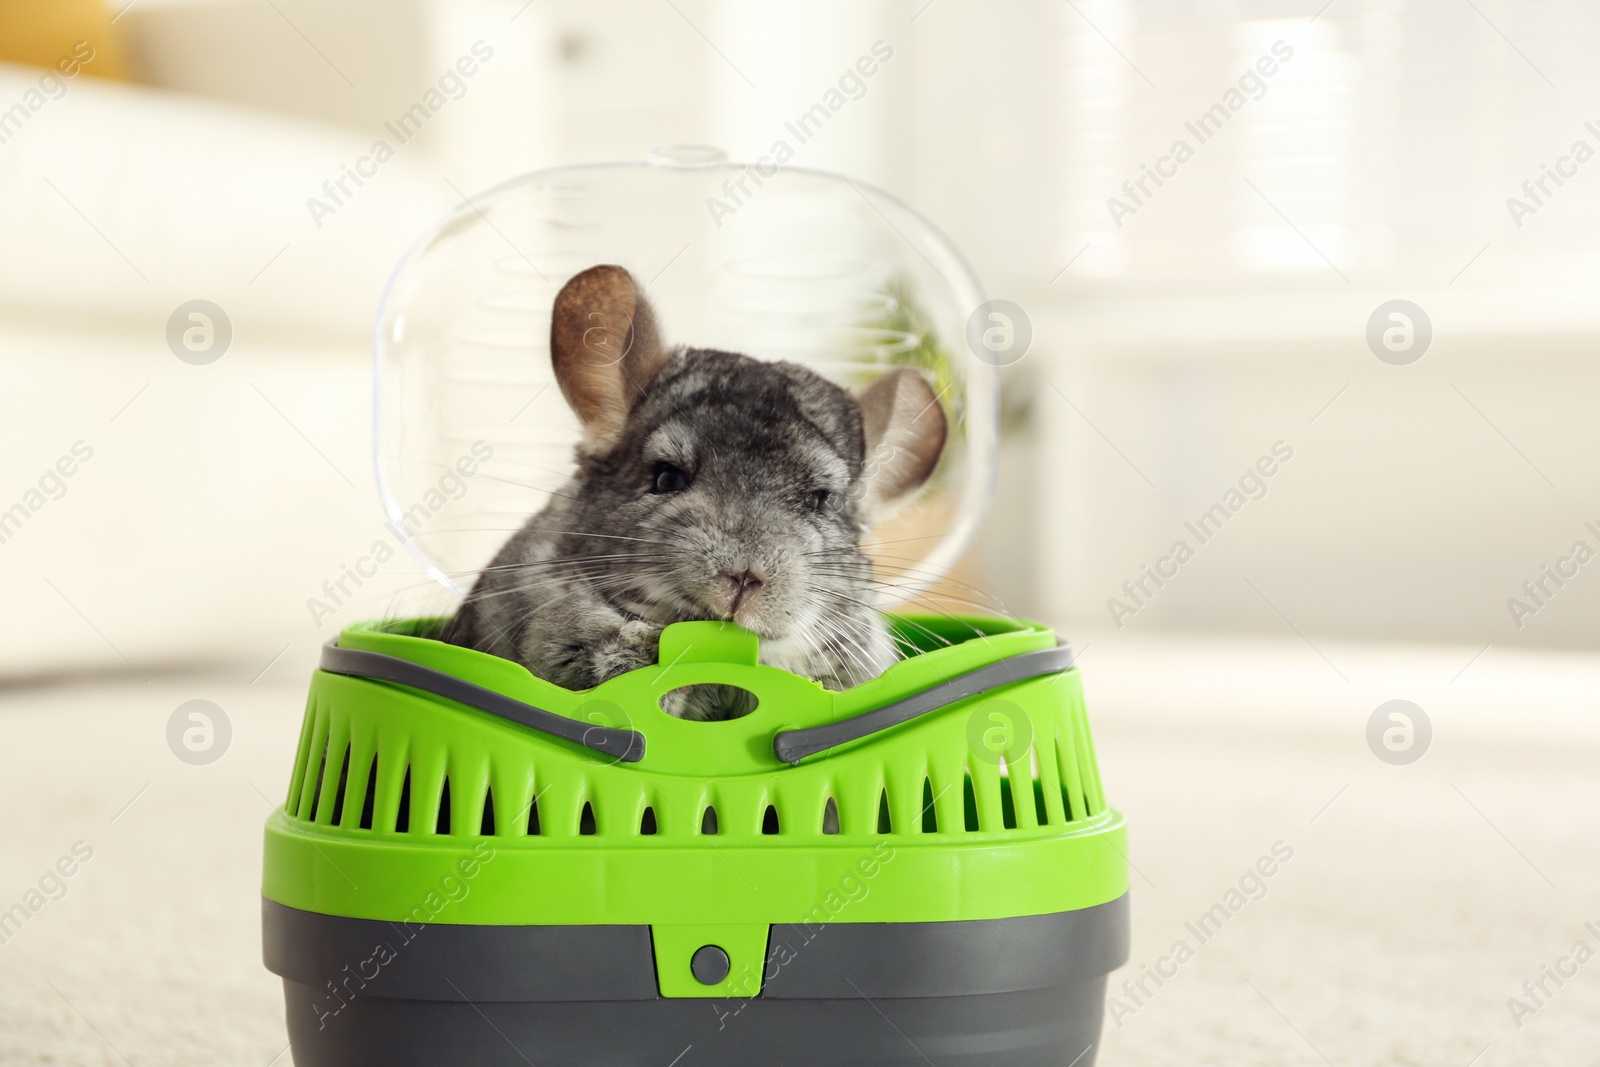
{"x": 633, "y": 646}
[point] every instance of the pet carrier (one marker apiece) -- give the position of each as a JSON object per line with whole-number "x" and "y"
{"x": 476, "y": 866}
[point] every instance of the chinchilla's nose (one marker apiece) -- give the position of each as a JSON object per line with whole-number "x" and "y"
{"x": 741, "y": 588}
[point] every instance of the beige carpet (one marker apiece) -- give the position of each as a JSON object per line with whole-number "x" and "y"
{"x": 1417, "y": 899}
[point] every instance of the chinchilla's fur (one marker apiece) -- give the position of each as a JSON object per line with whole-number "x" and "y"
{"x": 709, "y": 485}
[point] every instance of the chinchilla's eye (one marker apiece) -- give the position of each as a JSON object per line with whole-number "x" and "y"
{"x": 817, "y": 499}
{"x": 669, "y": 479}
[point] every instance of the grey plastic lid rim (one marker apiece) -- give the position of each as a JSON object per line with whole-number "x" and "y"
{"x": 506, "y": 964}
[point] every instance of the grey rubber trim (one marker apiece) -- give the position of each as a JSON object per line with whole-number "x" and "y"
{"x": 526, "y": 964}
{"x": 948, "y": 959}
{"x": 792, "y": 746}
{"x": 626, "y": 745}
{"x": 1021, "y": 992}
{"x": 417, "y": 961}
{"x": 1055, "y": 1027}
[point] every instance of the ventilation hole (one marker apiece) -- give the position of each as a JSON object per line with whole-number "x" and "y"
{"x": 1008, "y": 805}
{"x": 830, "y": 817}
{"x": 316, "y": 790}
{"x": 969, "y": 805}
{"x": 769, "y": 821}
{"x": 402, "y": 818}
{"x": 1064, "y": 760}
{"x": 586, "y": 824}
{"x": 885, "y": 826}
{"x": 371, "y": 800}
{"x": 533, "y": 817}
{"x": 1092, "y": 793}
{"x": 338, "y": 795}
{"x": 486, "y": 828}
{"x": 441, "y": 825}
{"x": 1039, "y": 810}
{"x": 930, "y": 821}
{"x": 709, "y": 702}
{"x": 708, "y": 822}
{"x": 647, "y": 822}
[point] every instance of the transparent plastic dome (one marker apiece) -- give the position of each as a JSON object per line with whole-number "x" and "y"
{"x": 796, "y": 264}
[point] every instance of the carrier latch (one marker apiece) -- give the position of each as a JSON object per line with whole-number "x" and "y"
{"x": 722, "y": 960}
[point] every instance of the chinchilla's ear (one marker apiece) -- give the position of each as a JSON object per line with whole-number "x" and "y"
{"x": 905, "y": 431}
{"x": 604, "y": 347}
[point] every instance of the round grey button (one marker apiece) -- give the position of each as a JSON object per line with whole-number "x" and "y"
{"x": 709, "y": 964}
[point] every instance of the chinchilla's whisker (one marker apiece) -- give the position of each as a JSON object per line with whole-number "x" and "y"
{"x": 616, "y": 537}
{"x": 850, "y": 636}
{"x": 904, "y": 540}
{"x": 572, "y": 571}
{"x": 564, "y": 569}
{"x": 932, "y": 603}
{"x": 951, "y": 616}
{"x": 563, "y": 561}
{"x": 865, "y": 546}
{"x": 527, "y": 485}
{"x": 930, "y": 577}
{"x": 988, "y": 603}
{"x": 562, "y": 589}
{"x": 814, "y": 650}
{"x": 857, "y": 666}
{"x": 922, "y": 573}
{"x": 932, "y": 608}
{"x": 561, "y": 580}
{"x": 941, "y": 639}
{"x": 518, "y": 591}
{"x": 576, "y": 533}
{"x": 864, "y": 664}
{"x": 927, "y": 574}
{"x": 556, "y": 594}
{"x": 928, "y": 600}
{"x": 852, "y": 649}
{"x": 935, "y": 636}
{"x": 607, "y": 557}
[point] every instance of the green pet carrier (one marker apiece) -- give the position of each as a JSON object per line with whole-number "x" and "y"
{"x": 475, "y": 866}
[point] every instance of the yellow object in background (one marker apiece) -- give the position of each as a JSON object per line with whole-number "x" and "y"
{"x": 47, "y": 33}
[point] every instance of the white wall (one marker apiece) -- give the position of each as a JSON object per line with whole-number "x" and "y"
{"x": 1415, "y": 505}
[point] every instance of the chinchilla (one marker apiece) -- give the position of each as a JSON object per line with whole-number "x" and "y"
{"x": 709, "y": 485}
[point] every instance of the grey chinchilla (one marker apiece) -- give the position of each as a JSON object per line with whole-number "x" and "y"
{"x": 709, "y": 485}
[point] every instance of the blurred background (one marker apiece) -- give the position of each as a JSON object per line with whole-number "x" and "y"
{"x": 1173, "y": 342}
{"x": 1420, "y": 533}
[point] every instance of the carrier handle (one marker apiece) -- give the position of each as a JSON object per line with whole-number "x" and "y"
{"x": 624, "y": 745}
{"x": 792, "y": 746}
